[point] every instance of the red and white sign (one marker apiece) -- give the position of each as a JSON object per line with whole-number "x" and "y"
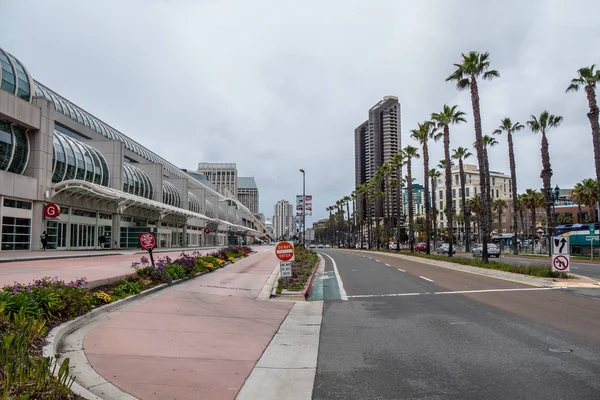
{"x": 51, "y": 211}
{"x": 285, "y": 251}
{"x": 147, "y": 241}
{"x": 207, "y": 231}
{"x": 561, "y": 263}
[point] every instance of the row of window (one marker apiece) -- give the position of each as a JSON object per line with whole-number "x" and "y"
{"x": 171, "y": 194}
{"x": 14, "y": 78}
{"x": 73, "y": 159}
{"x": 12, "y": 203}
{"x": 16, "y": 233}
{"x": 136, "y": 181}
{"x": 193, "y": 203}
{"x": 14, "y": 147}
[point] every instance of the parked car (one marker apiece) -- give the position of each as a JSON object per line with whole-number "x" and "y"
{"x": 444, "y": 248}
{"x": 320, "y": 246}
{"x": 312, "y": 246}
{"x": 393, "y": 246}
{"x": 327, "y": 246}
{"x": 421, "y": 247}
{"x": 493, "y": 250}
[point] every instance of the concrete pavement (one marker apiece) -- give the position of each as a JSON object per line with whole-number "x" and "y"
{"x": 198, "y": 340}
{"x": 413, "y": 330}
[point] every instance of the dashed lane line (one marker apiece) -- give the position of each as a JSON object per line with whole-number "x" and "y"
{"x": 401, "y": 270}
{"x": 427, "y": 279}
{"x": 359, "y": 296}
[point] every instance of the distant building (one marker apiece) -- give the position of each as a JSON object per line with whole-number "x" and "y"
{"x": 418, "y": 200}
{"x": 223, "y": 176}
{"x": 248, "y": 193}
{"x": 283, "y": 220}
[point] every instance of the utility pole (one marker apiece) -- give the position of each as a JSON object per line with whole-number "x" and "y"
{"x": 303, "y": 207}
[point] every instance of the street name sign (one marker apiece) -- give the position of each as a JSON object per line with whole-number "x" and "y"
{"x": 285, "y": 251}
{"x": 561, "y": 258}
{"x": 285, "y": 269}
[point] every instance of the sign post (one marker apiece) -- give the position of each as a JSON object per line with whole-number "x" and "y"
{"x": 592, "y": 233}
{"x": 561, "y": 258}
{"x": 148, "y": 242}
{"x": 285, "y": 253}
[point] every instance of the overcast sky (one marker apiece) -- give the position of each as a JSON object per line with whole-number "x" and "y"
{"x": 280, "y": 85}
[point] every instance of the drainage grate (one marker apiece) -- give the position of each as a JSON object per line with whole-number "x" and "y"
{"x": 560, "y": 350}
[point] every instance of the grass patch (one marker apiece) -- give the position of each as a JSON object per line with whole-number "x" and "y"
{"x": 540, "y": 270}
{"x": 304, "y": 263}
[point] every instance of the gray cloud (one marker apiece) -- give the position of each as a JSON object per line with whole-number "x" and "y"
{"x": 277, "y": 85}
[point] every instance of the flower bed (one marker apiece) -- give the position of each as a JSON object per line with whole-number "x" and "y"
{"x": 305, "y": 261}
{"x": 29, "y": 311}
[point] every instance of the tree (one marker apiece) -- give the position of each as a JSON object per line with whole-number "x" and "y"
{"x": 498, "y": 205}
{"x": 506, "y": 125}
{"x": 543, "y": 124}
{"x": 460, "y": 154}
{"x": 397, "y": 161}
{"x": 476, "y": 66}
{"x": 347, "y": 200}
{"x": 362, "y": 192}
{"x": 422, "y": 134}
{"x": 410, "y": 152}
{"x": 586, "y": 193}
{"x": 443, "y": 120}
{"x": 533, "y": 199}
{"x": 474, "y": 203}
{"x": 588, "y": 78}
{"x": 564, "y": 218}
{"x": 434, "y": 174}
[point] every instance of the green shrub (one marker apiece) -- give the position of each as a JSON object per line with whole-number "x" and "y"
{"x": 126, "y": 288}
{"x": 305, "y": 261}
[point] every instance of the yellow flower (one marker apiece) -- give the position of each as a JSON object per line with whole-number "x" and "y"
{"x": 105, "y": 297}
{"x": 231, "y": 260}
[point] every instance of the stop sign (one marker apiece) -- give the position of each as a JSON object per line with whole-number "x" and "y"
{"x": 147, "y": 241}
{"x": 285, "y": 251}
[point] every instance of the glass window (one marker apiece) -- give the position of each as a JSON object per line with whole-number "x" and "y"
{"x": 16, "y": 233}
{"x": 60, "y": 164}
{"x": 6, "y": 144}
{"x": 453, "y": 193}
{"x": 21, "y": 154}
{"x": 8, "y": 76}
{"x": 12, "y": 203}
{"x": 467, "y": 192}
{"x": 70, "y": 155}
{"x": 497, "y": 195}
{"x": 441, "y": 194}
{"x": 97, "y": 165}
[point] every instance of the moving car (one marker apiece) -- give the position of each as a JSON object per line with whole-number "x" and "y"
{"x": 393, "y": 246}
{"x": 421, "y": 247}
{"x": 444, "y": 248}
{"x": 493, "y": 250}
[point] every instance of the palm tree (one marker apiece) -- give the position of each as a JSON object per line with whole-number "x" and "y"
{"x": 448, "y": 116}
{"x": 347, "y": 199}
{"x": 588, "y": 78}
{"x": 396, "y": 162}
{"x": 522, "y": 209}
{"x": 506, "y": 125}
{"x": 474, "y": 66}
{"x": 488, "y": 141}
{"x": 533, "y": 200}
{"x": 422, "y": 134}
{"x": 474, "y": 204}
{"x": 434, "y": 174}
{"x": 386, "y": 174}
{"x": 564, "y": 218}
{"x": 330, "y": 209}
{"x": 460, "y": 154}
{"x": 498, "y": 205}
{"x": 362, "y": 192}
{"x": 410, "y": 152}
{"x": 586, "y": 193}
{"x": 543, "y": 124}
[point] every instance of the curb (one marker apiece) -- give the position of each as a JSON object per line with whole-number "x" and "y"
{"x": 306, "y": 291}
{"x": 55, "y": 337}
{"x": 60, "y": 257}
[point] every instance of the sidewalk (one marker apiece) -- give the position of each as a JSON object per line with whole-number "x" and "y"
{"x": 197, "y": 340}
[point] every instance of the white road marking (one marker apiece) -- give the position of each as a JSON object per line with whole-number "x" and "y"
{"x": 387, "y": 265}
{"x": 456, "y": 292}
{"x": 400, "y": 269}
{"x": 427, "y": 279}
{"x": 343, "y": 294}
{"x": 370, "y": 258}
{"x": 377, "y": 261}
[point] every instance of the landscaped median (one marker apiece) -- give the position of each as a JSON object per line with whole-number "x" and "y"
{"x": 29, "y": 311}
{"x": 303, "y": 266}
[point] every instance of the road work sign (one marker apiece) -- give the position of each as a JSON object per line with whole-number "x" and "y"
{"x": 285, "y": 251}
{"x": 561, "y": 263}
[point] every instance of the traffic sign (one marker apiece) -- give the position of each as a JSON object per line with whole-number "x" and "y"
{"x": 207, "y": 231}
{"x": 285, "y": 251}
{"x": 285, "y": 269}
{"x": 147, "y": 241}
{"x": 561, "y": 263}
{"x": 592, "y": 230}
{"x": 51, "y": 210}
{"x": 560, "y": 245}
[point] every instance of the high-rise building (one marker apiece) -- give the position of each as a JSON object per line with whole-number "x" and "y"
{"x": 283, "y": 220}
{"x": 223, "y": 176}
{"x": 248, "y": 193}
{"x": 376, "y": 141}
{"x": 418, "y": 200}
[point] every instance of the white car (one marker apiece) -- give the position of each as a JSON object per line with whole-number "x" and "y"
{"x": 393, "y": 246}
{"x": 327, "y": 246}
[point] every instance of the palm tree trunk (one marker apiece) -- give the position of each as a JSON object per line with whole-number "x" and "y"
{"x": 433, "y": 214}
{"x": 427, "y": 205}
{"x": 533, "y": 225}
{"x": 388, "y": 220}
{"x": 449, "y": 211}
{"x": 546, "y": 176}
{"x": 466, "y": 216}
{"x": 399, "y": 205}
{"x": 483, "y": 173}
{"x": 515, "y": 199}
{"x": 411, "y": 222}
{"x": 499, "y": 222}
{"x": 593, "y": 117}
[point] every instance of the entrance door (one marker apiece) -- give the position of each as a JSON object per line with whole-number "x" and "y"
{"x": 83, "y": 236}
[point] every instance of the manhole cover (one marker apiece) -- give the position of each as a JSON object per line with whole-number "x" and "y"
{"x": 560, "y": 350}
{"x": 457, "y": 323}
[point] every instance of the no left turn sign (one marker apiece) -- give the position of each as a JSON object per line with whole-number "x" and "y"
{"x": 561, "y": 263}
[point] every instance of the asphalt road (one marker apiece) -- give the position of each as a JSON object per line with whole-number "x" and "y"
{"x": 405, "y": 333}
{"x": 591, "y": 270}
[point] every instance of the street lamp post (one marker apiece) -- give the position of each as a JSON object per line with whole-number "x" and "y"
{"x": 303, "y": 207}
{"x": 552, "y": 196}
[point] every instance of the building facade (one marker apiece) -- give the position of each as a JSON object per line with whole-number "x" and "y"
{"x": 375, "y": 142}
{"x": 418, "y": 200}
{"x": 223, "y": 176}
{"x": 284, "y": 225}
{"x": 108, "y": 188}
{"x": 247, "y": 193}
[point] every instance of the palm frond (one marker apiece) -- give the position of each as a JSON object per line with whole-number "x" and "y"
{"x": 463, "y": 84}
{"x": 489, "y": 75}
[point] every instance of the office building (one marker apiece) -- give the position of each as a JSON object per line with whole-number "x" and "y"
{"x": 223, "y": 176}
{"x": 247, "y": 193}
{"x": 88, "y": 185}
{"x": 284, "y": 225}
{"x": 418, "y": 200}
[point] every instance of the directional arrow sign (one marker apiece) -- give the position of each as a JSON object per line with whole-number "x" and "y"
{"x": 560, "y": 245}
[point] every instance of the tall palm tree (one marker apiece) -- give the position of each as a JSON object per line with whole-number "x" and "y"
{"x": 443, "y": 120}
{"x": 460, "y": 154}
{"x": 564, "y": 218}
{"x": 377, "y": 180}
{"x": 422, "y": 134}
{"x": 522, "y": 208}
{"x": 354, "y": 216}
{"x": 488, "y": 141}
{"x": 396, "y": 162}
{"x": 498, "y": 205}
{"x": 588, "y": 78}
{"x": 586, "y": 193}
{"x": 543, "y": 124}
{"x": 434, "y": 174}
{"x": 506, "y": 125}
{"x": 347, "y": 200}
{"x": 330, "y": 209}
{"x": 362, "y": 192}
{"x": 533, "y": 200}
{"x": 410, "y": 152}
{"x": 387, "y": 175}
{"x": 474, "y": 204}
{"x": 476, "y": 66}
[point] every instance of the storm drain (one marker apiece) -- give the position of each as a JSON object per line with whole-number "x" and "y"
{"x": 560, "y": 350}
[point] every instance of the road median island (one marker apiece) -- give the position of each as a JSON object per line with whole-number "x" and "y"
{"x": 29, "y": 367}
{"x": 303, "y": 269}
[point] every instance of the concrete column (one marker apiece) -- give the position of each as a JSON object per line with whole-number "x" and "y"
{"x": 113, "y": 151}
{"x": 182, "y": 186}
{"x": 116, "y": 230}
{"x": 155, "y": 172}
{"x": 38, "y": 224}
{"x": 184, "y": 236}
{"x": 41, "y": 148}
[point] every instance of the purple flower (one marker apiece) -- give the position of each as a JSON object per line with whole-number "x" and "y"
{"x": 144, "y": 260}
